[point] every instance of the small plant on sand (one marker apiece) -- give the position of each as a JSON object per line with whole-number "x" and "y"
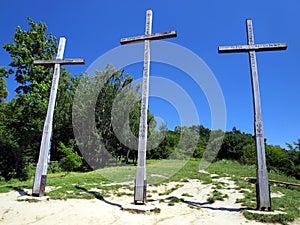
{"x": 156, "y": 210}
{"x": 167, "y": 192}
{"x": 187, "y": 195}
{"x": 30, "y": 200}
{"x": 120, "y": 194}
{"x": 173, "y": 200}
{"x": 216, "y": 196}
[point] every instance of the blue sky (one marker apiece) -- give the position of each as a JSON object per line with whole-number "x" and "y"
{"x": 94, "y": 27}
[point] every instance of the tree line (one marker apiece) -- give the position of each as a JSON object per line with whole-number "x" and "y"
{"x": 116, "y": 122}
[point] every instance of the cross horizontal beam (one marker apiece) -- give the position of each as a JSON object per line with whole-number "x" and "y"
{"x": 58, "y": 61}
{"x": 157, "y": 36}
{"x": 255, "y": 47}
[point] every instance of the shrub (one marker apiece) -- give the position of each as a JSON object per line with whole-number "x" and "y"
{"x": 249, "y": 155}
{"x": 70, "y": 160}
{"x": 54, "y": 167}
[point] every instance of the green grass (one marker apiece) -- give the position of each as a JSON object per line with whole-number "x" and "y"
{"x": 156, "y": 210}
{"x": 167, "y": 192}
{"x": 289, "y": 203}
{"x": 216, "y": 196}
{"x": 158, "y": 172}
{"x": 172, "y": 200}
{"x": 30, "y": 200}
{"x": 190, "y": 171}
{"x": 232, "y": 168}
{"x": 187, "y": 195}
{"x": 62, "y": 179}
{"x": 15, "y": 185}
{"x": 69, "y": 192}
{"x": 219, "y": 185}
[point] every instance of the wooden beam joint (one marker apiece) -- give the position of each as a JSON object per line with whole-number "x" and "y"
{"x": 157, "y": 36}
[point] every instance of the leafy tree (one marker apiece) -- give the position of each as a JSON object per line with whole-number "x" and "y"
{"x": 106, "y": 116}
{"x": 30, "y": 45}
{"x": 186, "y": 143}
{"x": 3, "y": 90}
{"x": 233, "y": 143}
{"x": 278, "y": 159}
{"x": 13, "y": 161}
{"x": 213, "y": 145}
{"x": 8, "y": 146}
{"x": 249, "y": 155}
{"x": 294, "y": 156}
{"x": 166, "y": 146}
{"x": 62, "y": 121}
{"x": 27, "y": 111}
{"x": 70, "y": 160}
{"x": 204, "y": 134}
{"x": 116, "y": 90}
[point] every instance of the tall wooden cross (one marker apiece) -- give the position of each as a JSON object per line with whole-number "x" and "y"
{"x": 262, "y": 185}
{"x": 44, "y": 156}
{"x": 140, "y": 182}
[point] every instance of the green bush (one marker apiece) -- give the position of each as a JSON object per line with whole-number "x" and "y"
{"x": 29, "y": 171}
{"x": 70, "y": 160}
{"x": 54, "y": 167}
{"x": 278, "y": 159}
{"x": 249, "y": 155}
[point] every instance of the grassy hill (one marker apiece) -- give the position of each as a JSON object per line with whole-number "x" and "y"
{"x": 118, "y": 181}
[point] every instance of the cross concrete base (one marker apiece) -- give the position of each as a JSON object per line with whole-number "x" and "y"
{"x": 263, "y": 196}
{"x": 138, "y": 208}
{"x": 140, "y": 193}
{"x": 38, "y": 190}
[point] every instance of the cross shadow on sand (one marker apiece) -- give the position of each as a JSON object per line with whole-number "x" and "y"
{"x": 21, "y": 191}
{"x": 205, "y": 205}
{"x": 98, "y": 196}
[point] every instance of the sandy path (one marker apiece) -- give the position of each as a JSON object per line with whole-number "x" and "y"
{"x": 75, "y": 211}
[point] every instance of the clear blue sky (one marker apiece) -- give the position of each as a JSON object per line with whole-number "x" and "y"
{"x": 95, "y": 27}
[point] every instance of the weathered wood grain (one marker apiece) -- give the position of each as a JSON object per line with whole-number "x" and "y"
{"x": 262, "y": 186}
{"x": 39, "y": 184}
{"x": 140, "y": 182}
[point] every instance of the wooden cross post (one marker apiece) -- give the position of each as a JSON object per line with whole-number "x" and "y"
{"x": 140, "y": 182}
{"x": 262, "y": 185}
{"x": 44, "y": 156}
